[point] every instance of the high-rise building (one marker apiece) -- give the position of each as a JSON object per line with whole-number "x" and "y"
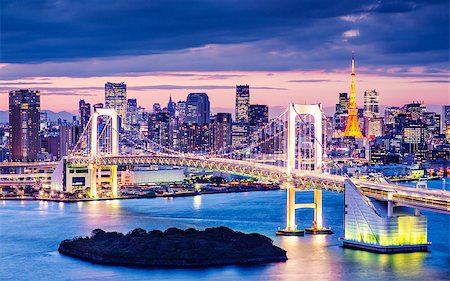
{"x": 352, "y": 129}
{"x": 171, "y": 107}
{"x": 341, "y": 114}
{"x": 258, "y": 115}
{"x": 242, "y": 103}
{"x": 371, "y": 104}
{"x": 85, "y": 113}
{"x": 415, "y": 110}
{"x": 132, "y": 114}
{"x": 445, "y": 123}
{"x": 24, "y": 109}
{"x": 414, "y": 140}
{"x": 239, "y": 135}
{"x": 197, "y": 109}
{"x": 221, "y": 131}
{"x": 181, "y": 111}
{"x": 116, "y": 98}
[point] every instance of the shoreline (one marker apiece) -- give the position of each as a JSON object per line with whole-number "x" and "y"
{"x": 183, "y": 194}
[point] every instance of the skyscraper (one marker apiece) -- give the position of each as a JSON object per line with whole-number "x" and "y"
{"x": 85, "y": 113}
{"x": 445, "y": 123}
{"x": 116, "y": 98}
{"x": 258, "y": 115}
{"x": 197, "y": 109}
{"x": 352, "y": 129}
{"x": 341, "y": 113}
{"x": 242, "y": 103}
{"x": 171, "y": 107}
{"x": 371, "y": 104}
{"x": 24, "y": 109}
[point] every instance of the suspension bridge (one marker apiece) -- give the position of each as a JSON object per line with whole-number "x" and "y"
{"x": 289, "y": 150}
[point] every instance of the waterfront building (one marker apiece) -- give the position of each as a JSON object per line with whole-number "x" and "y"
{"x": 352, "y": 128}
{"x": 197, "y": 109}
{"x": 116, "y": 98}
{"x": 242, "y": 103}
{"x": 24, "y": 114}
{"x": 85, "y": 113}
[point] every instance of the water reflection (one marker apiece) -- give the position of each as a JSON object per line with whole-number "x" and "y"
{"x": 402, "y": 265}
{"x": 197, "y": 202}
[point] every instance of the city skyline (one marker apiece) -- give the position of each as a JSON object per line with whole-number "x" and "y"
{"x": 401, "y": 50}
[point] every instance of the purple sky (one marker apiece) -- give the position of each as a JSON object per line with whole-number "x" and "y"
{"x": 286, "y": 51}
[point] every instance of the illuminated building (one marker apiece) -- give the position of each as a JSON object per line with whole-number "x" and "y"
{"x": 380, "y": 226}
{"x": 242, "y": 103}
{"x": 222, "y": 131}
{"x": 24, "y": 109}
{"x": 116, "y": 98}
{"x": 340, "y": 117}
{"x": 258, "y": 115}
{"x": 85, "y": 113}
{"x": 371, "y": 104}
{"x": 181, "y": 111}
{"x": 352, "y": 129}
{"x": 171, "y": 107}
{"x": 446, "y": 121}
{"x": 197, "y": 108}
{"x": 239, "y": 135}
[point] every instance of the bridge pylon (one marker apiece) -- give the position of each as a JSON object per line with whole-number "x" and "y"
{"x": 315, "y": 111}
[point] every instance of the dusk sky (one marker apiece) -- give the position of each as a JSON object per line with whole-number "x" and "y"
{"x": 286, "y": 51}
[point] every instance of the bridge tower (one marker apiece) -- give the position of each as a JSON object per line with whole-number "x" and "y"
{"x": 294, "y": 111}
{"x": 98, "y": 139}
{"x": 112, "y": 147}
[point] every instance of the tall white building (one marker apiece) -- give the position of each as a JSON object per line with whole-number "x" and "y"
{"x": 371, "y": 104}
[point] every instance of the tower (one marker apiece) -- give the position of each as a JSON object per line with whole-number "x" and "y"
{"x": 352, "y": 129}
{"x": 24, "y": 109}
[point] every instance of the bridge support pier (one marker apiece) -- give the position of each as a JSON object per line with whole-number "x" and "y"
{"x": 291, "y": 227}
{"x": 93, "y": 179}
{"x": 381, "y": 227}
{"x": 317, "y": 227}
{"x": 114, "y": 189}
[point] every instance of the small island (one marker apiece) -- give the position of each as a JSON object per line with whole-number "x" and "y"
{"x": 174, "y": 248}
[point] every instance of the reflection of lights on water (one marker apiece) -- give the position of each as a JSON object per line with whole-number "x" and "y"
{"x": 3, "y": 202}
{"x": 61, "y": 205}
{"x": 197, "y": 202}
{"x": 22, "y": 202}
{"x": 407, "y": 264}
{"x": 79, "y": 204}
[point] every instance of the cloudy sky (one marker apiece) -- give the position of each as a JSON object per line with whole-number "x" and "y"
{"x": 286, "y": 51}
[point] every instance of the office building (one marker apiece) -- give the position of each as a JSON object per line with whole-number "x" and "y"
{"x": 197, "y": 109}
{"x": 116, "y": 98}
{"x": 242, "y": 103}
{"x": 24, "y": 113}
{"x": 85, "y": 113}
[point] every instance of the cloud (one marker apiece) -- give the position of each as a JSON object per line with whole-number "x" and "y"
{"x": 313, "y": 80}
{"x": 430, "y": 81}
{"x": 350, "y": 33}
{"x": 122, "y": 38}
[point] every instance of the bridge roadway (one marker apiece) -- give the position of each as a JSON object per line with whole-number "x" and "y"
{"x": 434, "y": 200}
